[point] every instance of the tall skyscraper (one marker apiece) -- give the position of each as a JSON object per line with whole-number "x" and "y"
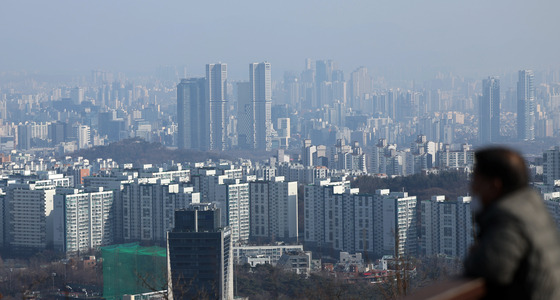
{"x": 245, "y": 128}
{"x": 360, "y": 85}
{"x": 525, "y": 106}
{"x": 77, "y": 95}
{"x": 489, "y": 111}
{"x": 324, "y": 76}
{"x": 216, "y": 93}
{"x": 261, "y": 96}
{"x": 192, "y": 114}
{"x": 200, "y": 254}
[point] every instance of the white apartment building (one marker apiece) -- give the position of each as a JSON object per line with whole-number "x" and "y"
{"x": 446, "y": 227}
{"x": 339, "y": 218}
{"x": 274, "y": 252}
{"x": 148, "y": 208}
{"x": 114, "y": 183}
{"x": 28, "y": 210}
{"x": 274, "y": 210}
{"x": 206, "y": 183}
{"x": 399, "y": 220}
{"x": 177, "y": 175}
{"x": 460, "y": 159}
{"x": 83, "y": 135}
{"x": 232, "y": 198}
{"x": 82, "y": 220}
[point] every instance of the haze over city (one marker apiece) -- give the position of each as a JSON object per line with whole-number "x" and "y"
{"x": 398, "y": 39}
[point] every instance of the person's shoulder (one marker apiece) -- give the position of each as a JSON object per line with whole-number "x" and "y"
{"x": 525, "y": 207}
{"x": 516, "y": 206}
{"x": 520, "y": 200}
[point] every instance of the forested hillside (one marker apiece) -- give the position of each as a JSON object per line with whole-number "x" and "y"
{"x": 450, "y": 183}
{"x": 139, "y": 151}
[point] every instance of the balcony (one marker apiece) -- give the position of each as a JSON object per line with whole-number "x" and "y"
{"x": 457, "y": 289}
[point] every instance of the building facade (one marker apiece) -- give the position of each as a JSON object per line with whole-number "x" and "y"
{"x": 446, "y": 227}
{"x": 216, "y": 95}
{"x": 489, "y": 111}
{"x": 274, "y": 210}
{"x": 82, "y": 220}
{"x": 192, "y": 114}
{"x": 200, "y": 255}
{"x": 261, "y": 97}
{"x": 526, "y": 106}
{"x": 338, "y": 218}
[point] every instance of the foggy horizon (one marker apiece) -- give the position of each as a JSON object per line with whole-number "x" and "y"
{"x": 397, "y": 40}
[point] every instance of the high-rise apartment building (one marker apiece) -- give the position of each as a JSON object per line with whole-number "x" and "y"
{"x": 455, "y": 159}
{"x": 232, "y": 198}
{"x": 245, "y": 116}
{"x": 82, "y": 220}
{"x": 114, "y": 183}
{"x": 254, "y": 108}
{"x": 283, "y": 128}
{"x": 551, "y": 165}
{"x": 192, "y": 114}
{"x": 525, "y": 106}
{"x": 77, "y": 95}
{"x": 446, "y": 227}
{"x": 216, "y": 94}
{"x": 28, "y": 211}
{"x": 361, "y": 84}
{"x": 261, "y": 96}
{"x": 399, "y": 223}
{"x": 83, "y": 135}
{"x": 489, "y": 111}
{"x": 274, "y": 210}
{"x": 200, "y": 255}
{"x": 324, "y": 76}
{"x": 338, "y": 218}
{"x": 148, "y": 206}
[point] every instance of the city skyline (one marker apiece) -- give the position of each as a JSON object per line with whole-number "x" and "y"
{"x": 345, "y": 154}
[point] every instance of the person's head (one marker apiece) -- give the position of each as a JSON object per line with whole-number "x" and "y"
{"x": 498, "y": 172}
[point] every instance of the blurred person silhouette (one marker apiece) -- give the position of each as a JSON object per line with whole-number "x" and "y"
{"x": 517, "y": 249}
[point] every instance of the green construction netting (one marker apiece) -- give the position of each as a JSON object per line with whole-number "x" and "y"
{"x": 133, "y": 269}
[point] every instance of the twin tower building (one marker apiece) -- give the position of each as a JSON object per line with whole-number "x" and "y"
{"x": 202, "y": 110}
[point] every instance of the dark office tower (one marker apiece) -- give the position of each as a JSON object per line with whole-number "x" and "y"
{"x": 192, "y": 114}
{"x": 525, "y": 106}
{"x": 57, "y": 133}
{"x": 200, "y": 255}
{"x": 489, "y": 111}
{"x": 261, "y": 96}
{"x": 216, "y": 92}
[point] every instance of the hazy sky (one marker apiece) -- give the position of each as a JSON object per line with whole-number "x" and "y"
{"x": 467, "y": 36}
